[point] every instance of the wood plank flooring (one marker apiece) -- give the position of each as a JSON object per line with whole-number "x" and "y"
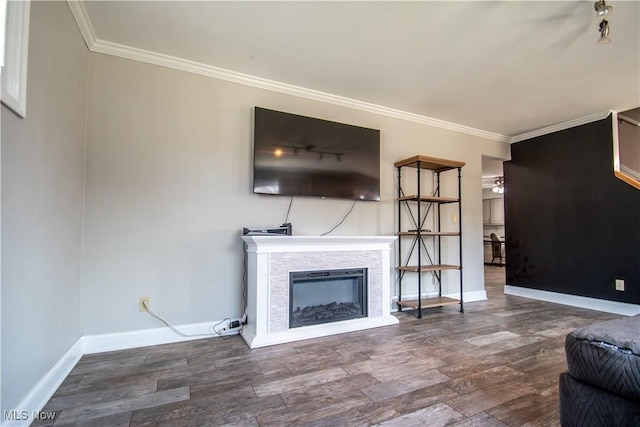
{"x": 497, "y": 364}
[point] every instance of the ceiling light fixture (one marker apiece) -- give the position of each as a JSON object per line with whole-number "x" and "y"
{"x": 603, "y": 10}
{"x": 604, "y": 33}
{"x": 303, "y": 150}
{"x": 499, "y": 187}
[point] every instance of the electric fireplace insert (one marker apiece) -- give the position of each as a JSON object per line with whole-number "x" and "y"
{"x": 327, "y": 296}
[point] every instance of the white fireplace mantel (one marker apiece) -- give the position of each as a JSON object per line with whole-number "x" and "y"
{"x": 272, "y": 258}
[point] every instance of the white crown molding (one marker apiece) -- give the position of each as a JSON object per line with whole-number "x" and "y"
{"x": 101, "y": 46}
{"x": 560, "y": 126}
{"x": 280, "y": 87}
{"x": 84, "y": 24}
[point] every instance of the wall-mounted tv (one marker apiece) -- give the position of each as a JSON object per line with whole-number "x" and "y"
{"x": 303, "y": 156}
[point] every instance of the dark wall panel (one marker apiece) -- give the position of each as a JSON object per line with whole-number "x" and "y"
{"x": 571, "y": 226}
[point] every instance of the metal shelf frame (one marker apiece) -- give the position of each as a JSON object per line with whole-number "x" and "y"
{"x": 418, "y": 233}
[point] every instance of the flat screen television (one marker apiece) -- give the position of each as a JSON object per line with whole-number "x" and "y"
{"x": 303, "y": 156}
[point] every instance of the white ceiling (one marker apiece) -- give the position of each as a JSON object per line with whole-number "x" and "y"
{"x": 504, "y": 67}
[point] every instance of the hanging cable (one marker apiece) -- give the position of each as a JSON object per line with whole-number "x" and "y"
{"x": 245, "y": 271}
{"x": 286, "y": 219}
{"x": 343, "y": 219}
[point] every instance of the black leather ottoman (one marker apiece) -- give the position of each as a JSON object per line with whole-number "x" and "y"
{"x": 602, "y": 387}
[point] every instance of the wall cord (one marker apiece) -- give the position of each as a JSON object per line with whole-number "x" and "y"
{"x": 182, "y": 334}
{"x": 343, "y": 219}
{"x": 286, "y": 219}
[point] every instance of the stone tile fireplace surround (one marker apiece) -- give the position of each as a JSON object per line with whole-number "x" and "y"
{"x": 272, "y": 258}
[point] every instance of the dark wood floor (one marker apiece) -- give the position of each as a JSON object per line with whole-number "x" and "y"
{"x": 495, "y": 365}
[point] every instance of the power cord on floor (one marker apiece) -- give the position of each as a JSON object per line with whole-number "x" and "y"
{"x": 223, "y": 329}
{"x": 182, "y": 334}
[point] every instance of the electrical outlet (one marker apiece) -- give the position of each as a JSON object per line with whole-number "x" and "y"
{"x": 141, "y": 303}
{"x": 619, "y": 284}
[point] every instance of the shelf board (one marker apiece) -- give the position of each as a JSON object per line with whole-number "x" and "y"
{"x": 432, "y": 163}
{"x": 415, "y": 268}
{"x": 428, "y": 302}
{"x": 431, "y": 199}
{"x": 428, "y": 233}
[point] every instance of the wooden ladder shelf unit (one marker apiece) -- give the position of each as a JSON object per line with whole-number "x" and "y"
{"x": 415, "y": 203}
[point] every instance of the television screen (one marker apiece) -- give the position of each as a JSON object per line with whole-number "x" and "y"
{"x": 302, "y": 156}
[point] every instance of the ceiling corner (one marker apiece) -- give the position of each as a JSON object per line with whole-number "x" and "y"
{"x": 560, "y": 126}
{"x": 129, "y": 52}
{"x": 84, "y": 24}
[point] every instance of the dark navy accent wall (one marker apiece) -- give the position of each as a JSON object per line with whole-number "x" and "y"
{"x": 571, "y": 226}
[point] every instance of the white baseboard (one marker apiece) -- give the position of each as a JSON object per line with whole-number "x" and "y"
{"x": 574, "y": 300}
{"x": 316, "y": 331}
{"x": 469, "y": 296}
{"x": 40, "y": 394}
{"x": 146, "y": 337}
{"x": 88, "y": 344}
{"x": 394, "y": 298}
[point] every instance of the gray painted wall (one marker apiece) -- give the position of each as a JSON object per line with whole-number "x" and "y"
{"x": 168, "y": 188}
{"x": 42, "y": 204}
{"x": 169, "y": 163}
